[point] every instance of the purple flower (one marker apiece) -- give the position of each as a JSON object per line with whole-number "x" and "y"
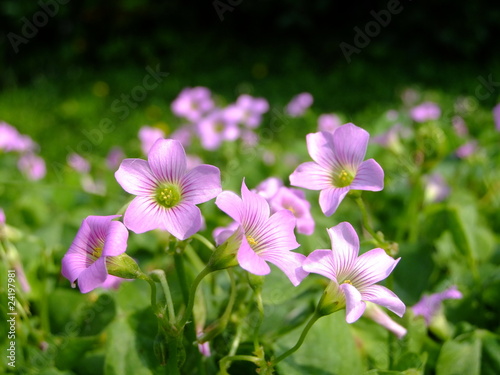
{"x": 183, "y": 134}
{"x": 215, "y": 128}
{"x": 98, "y": 238}
{"x": 338, "y": 166}
{"x": 112, "y": 282}
{"x": 354, "y": 276}
{"x": 248, "y": 110}
{"x": 263, "y": 238}
{"x": 295, "y": 201}
{"x": 78, "y": 163}
{"x": 496, "y": 116}
{"x": 299, "y": 104}
{"x": 436, "y": 188}
{"x": 12, "y": 140}
{"x": 221, "y": 234}
{"x": 193, "y": 103}
{"x": 425, "y": 112}
{"x": 148, "y": 136}
{"x": 328, "y": 122}
{"x": 167, "y": 193}
{"x": 2, "y": 217}
{"x": 269, "y": 187}
{"x": 114, "y": 158}
{"x": 429, "y": 306}
{"x": 32, "y": 166}
{"x": 466, "y": 149}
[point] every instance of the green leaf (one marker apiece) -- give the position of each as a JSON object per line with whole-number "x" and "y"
{"x": 459, "y": 357}
{"x": 328, "y": 349}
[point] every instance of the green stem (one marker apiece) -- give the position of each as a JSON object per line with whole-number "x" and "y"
{"x": 172, "y": 368}
{"x": 152, "y": 285}
{"x": 192, "y": 293}
{"x": 260, "y": 307}
{"x": 168, "y": 296}
{"x": 366, "y": 221}
{"x": 292, "y": 350}
{"x": 204, "y": 241}
{"x": 181, "y": 273}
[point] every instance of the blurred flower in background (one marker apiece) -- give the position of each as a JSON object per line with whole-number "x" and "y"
{"x": 429, "y": 306}
{"x": 193, "y": 103}
{"x": 425, "y": 112}
{"x": 436, "y": 188}
{"x": 148, "y": 135}
{"x": 299, "y": 104}
{"x": 328, "y": 122}
{"x": 247, "y": 110}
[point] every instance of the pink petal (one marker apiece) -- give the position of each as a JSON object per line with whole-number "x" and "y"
{"x": 73, "y": 264}
{"x": 167, "y": 160}
{"x": 201, "y": 184}
{"x": 116, "y": 239}
{"x": 371, "y": 267}
{"x": 329, "y": 199}
{"x": 355, "y": 307}
{"x": 345, "y": 245}
{"x": 183, "y": 220}
{"x": 276, "y": 235}
{"x": 231, "y": 204}
{"x": 135, "y": 177}
{"x": 370, "y": 176}
{"x": 93, "y": 276}
{"x": 255, "y": 209}
{"x": 143, "y": 214}
{"x": 384, "y": 297}
{"x": 320, "y": 147}
{"x": 250, "y": 261}
{"x": 289, "y": 262}
{"x": 311, "y": 176}
{"x": 320, "y": 262}
{"x": 349, "y": 144}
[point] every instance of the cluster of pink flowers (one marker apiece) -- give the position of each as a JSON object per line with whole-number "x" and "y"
{"x": 29, "y": 163}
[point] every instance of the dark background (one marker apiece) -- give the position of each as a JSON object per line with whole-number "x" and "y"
{"x": 296, "y": 42}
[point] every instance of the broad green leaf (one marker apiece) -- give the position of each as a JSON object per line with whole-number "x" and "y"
{"x": 460, "y": 357}
{"x": 328, "y": 349}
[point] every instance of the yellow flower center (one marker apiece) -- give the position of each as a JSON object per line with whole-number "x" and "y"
{"x": 251, "y": 241}
{"x": 347, "y": 282}
{"x": 97, "y": 252}
{"x": 167, "y": 196}
{"x": 343, "y": 179}
{"x": 291, "y": 209}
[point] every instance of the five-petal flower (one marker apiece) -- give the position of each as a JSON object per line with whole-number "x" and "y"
{"x": 354, "y": 277}
{"x": 167, "y": 193}
{"x": 338, "y": 166}
{"x": 264, "y": 238}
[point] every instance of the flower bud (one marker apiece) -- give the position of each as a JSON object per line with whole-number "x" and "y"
{"x": 123, "y": 266}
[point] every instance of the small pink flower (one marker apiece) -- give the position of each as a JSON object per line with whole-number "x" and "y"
{"x": 466, "y": 149}
{"x": 11, "y": 140}
{"x": 354, "y": 276}
{"x": 148, "y": 136}
{"x": 436, "y": 188}
{"x": 328, "y": 122}
{"x": 166, "y": 192}
{"x": 193, "y": 103}
{"x": 85, "y": 261}
{"x": 215, "y": 128}
{"x": 269, "y": 187}
{"x": 299, "y": 104}
{"x": 460, "y": 126}
{"x": 78, "y": 163}
{"x": 114, "y": 158}
{"x": 248, "y": 110}
{"x": 338, "y": 166}
{"x": 263, "y": 238}
{"x": 425, "y": 112}
{"x": 32, "y": 166}
{"x": 295, "y": 201}
{"x": 429, "y": 306}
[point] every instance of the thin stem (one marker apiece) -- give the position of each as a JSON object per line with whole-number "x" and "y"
{"x": 292, "y": 350}
{"x": 153, "y": 290}
{"x": 181, "y": 273}
{"x": 366, "y": 220}
{"x": 172, "y": 368}
{"x": 260, "y": 307}
{"x": 204, "y": 241}
{"x": 192, "y": 293}
{"x": 168, "y": 296}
